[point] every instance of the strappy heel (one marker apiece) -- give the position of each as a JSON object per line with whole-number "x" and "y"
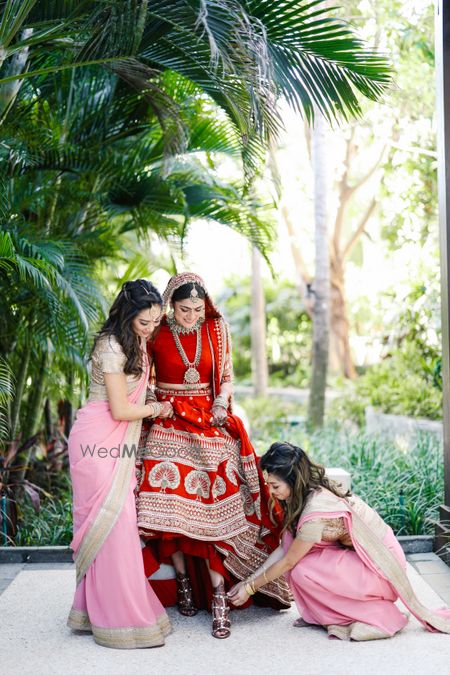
{"x": 185, "y": 601}
{"x": 221, "y": 625}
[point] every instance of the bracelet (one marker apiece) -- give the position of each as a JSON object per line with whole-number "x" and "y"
{"x": 249, "y": 590}
{"x": 221, "y": 400}
{"x": 265, "y": 577}
{"x": 157, "y": 407}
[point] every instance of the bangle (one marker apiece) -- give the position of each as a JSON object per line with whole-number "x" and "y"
{"x": 157, "y": 407}
{"x": 265, "y": 577}
{"x": 221, "y": 400}
{"x": 248, "y": 589}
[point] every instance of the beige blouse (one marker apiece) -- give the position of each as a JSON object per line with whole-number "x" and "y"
{"x": 108, "y": 357}
{"x": 325, "y": 529}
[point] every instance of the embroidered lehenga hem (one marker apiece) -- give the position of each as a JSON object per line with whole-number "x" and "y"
{"x": 131, "y": 637}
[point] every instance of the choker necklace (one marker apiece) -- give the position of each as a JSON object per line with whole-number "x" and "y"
{"x": 183, "y": 330}
{"x": 191, "y": 376}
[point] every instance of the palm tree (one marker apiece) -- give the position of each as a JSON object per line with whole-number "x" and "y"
{"x": 242, "y": 54}
{"x": 122, "y": 110}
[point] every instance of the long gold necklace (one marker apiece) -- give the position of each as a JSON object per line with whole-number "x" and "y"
{"x": 191, "y": 376}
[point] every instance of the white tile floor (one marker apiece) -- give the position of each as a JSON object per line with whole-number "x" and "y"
{"x": 34, "y": 638}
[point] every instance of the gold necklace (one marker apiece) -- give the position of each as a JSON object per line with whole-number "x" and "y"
{"x": 191, "y": 376}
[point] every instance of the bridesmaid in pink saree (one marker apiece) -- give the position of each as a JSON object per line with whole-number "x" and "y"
{"x": 113, "y": 599}
{"x": 344, "y": 565}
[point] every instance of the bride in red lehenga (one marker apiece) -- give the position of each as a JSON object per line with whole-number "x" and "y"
{"x": 201, "y": 500}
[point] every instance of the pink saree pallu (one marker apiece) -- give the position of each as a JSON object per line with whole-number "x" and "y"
{"x": 351, "y": 590}
{"x": 113, "y": 599}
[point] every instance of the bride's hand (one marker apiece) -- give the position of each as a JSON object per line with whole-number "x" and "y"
{"x": 167, "y": 410}
{"x": 219, "y": 416}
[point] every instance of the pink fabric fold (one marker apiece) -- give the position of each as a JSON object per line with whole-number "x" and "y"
{"x": 334, "y": 585}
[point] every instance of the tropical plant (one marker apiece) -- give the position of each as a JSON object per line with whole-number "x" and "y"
{"x": 113, "y": 115}
{"x": 406, "y": 486}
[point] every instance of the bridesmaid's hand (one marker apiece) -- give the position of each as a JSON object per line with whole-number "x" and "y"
{"x": 238, "y": 595}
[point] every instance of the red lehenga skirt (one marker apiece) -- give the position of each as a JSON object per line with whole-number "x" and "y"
{"x": 201, "y": 492}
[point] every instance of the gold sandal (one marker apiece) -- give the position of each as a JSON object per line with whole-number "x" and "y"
{"x": 221, "y": 625}
{"x": 185, "y": 600}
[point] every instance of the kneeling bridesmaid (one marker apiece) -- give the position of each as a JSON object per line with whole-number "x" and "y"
{"x": 344, "y": 565}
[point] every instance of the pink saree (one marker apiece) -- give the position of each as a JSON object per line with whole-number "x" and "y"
{"x": 113, "y": 599}
{"x": 352, "y": 591}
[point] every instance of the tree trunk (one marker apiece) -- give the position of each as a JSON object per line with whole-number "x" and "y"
{"x": 258, "y": 328}
{"x": 340, "y": 358}
{"x": 20, "y": 385}
{"x": 322, "y": 276}
{"x": 9, "y": 90}
{"x": 68, "y": 409}
{"x": 48, "y": 419}
{"x": 34, "y": 417}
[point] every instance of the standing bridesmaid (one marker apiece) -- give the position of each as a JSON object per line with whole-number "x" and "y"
{"x": 112, "y": 597}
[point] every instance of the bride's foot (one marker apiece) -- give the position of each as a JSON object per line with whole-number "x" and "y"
{"x": 221, "y": 624}
{"x": 185, "y": 601}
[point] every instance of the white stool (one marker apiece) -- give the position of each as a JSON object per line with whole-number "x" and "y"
{"x": 340, "y": 476}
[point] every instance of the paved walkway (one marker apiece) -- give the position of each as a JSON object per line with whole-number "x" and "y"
{"x": 34, "y": 638}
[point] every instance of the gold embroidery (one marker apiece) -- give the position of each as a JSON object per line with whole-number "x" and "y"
{"x": 164, "y": 475}
{"x": 165, "y": 512}
{"x": 131, "y": 637}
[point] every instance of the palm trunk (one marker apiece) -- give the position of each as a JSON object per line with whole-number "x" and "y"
{"x": 322, "y": 277}
{"x": 20, "y": 385}
{"x": 9, "y": 90}
{"x": 34, "y": 417}
{"x": 67, "y": 409}
{"x": 258, "y": 328}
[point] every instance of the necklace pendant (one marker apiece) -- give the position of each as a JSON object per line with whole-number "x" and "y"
{"x": 191, "y": 376}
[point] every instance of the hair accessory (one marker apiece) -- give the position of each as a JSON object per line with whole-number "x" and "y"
{"x": 145, "y": 289}
{"x": 194, "y": 295}
{"x": 189, "y": 278}
{"x": 265, "y": 475}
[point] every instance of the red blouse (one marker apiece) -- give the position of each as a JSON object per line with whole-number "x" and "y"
{"x": 169, "y": 365}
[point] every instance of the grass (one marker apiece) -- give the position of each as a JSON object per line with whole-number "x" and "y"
{"x": 405, "y": 485}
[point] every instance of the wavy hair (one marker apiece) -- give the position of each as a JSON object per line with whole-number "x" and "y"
{"x": 134, "y": 297}
{"x": 292, "y": 465}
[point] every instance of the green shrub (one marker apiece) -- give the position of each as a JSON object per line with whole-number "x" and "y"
{"x": 397, "y": 385}
{"x": 52, "y": 526}
{"x": 406, "y": 487}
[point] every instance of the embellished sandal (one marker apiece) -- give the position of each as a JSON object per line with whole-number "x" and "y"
{"x": 185, "y": 600}
{"x": 221, "y": 625}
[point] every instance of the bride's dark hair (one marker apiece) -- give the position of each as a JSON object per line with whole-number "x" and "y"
{"x": 184, "y": 292}
{"x": 134, "y": 297}
{"x": 293, "y": 466}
